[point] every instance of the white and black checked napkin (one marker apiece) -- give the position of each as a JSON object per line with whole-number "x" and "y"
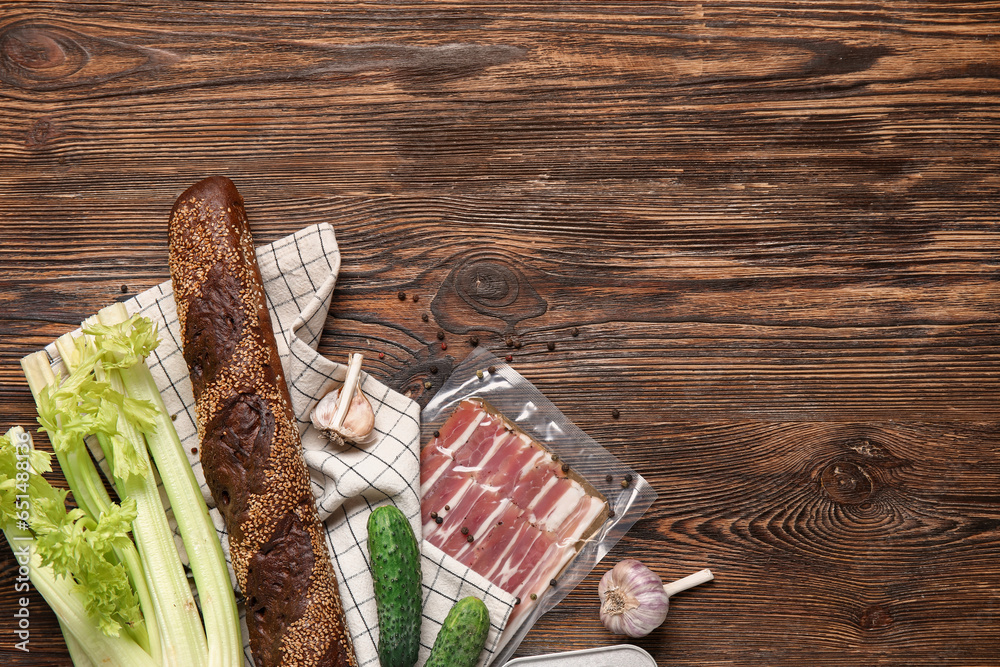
{"x": 299, "y": 273}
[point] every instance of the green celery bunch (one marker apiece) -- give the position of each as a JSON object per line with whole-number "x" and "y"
{"x": 109, "y": 394}
{"x": 72, "y": 557}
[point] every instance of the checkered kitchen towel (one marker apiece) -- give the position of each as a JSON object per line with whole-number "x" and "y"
{"x": 299, "y": 274}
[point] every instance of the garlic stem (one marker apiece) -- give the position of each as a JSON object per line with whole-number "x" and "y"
{"x": 687, "y": 582}
{"x": 347, "y": 391}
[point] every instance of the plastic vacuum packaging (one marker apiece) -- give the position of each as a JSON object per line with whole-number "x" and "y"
{"x": 516, "y": 491}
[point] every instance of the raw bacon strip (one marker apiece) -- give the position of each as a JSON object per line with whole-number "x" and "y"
{"x": 496, "y": 542}
{"x": 562, "y": 549}
{"x": 522, "y": 559}
{"x": 448, "y": 492}
{"x": 553, "y": 506}
{"x": 436, "y": 456}
{"x": 472, "y": 514}
{"x": 509, "y": 464}
{"x": 489, "y": 436}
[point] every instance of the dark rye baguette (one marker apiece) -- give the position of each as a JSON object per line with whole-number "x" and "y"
{"x": 250, "y": 447}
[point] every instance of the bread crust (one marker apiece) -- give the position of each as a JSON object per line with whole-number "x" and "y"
{"x": 250, "y": 447}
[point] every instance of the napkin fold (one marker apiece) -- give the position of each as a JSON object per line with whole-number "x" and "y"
{"x": 300, "y": 272}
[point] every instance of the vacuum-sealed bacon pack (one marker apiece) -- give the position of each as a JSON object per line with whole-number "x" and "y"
{"x": 514, "y": 491}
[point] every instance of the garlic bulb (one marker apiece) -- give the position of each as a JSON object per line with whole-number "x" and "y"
{"x": 345, "y": 415}
{"x": 634, "y": 601}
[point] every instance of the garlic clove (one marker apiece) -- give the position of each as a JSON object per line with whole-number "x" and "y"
{"x": 360, "y": 418}
{"x": 352, "y": 422}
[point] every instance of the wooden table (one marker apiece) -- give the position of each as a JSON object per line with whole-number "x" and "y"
{"x": 772, "y": 225}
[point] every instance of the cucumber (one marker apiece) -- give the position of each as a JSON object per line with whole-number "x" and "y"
{"x": 463, "y": 635}
{"x": 395, "y": 559}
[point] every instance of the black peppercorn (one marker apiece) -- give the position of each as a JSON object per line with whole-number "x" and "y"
{"x": 402, "y": 296}
{"x": 424, "y": 317}
{"x": 438, "y": 520}
{"x": 615, "y": 413}
{"x": 440, "y": 334}
{"x": 551, "y": 346}
{"x": 474, "y": 341}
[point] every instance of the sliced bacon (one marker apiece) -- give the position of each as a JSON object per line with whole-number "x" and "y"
{"x": 525, "y": 515}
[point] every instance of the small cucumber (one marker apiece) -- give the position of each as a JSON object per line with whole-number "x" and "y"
{"x": 463, "y": 635}
{"x": 395, "y": 559}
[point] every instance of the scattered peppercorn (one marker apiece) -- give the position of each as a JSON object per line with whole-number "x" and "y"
{"x": 447, "y": 508}
{"x": 194, "y": 450}
{"x": 611, "y": 514}
{"x": 509, "y": 358}
{"x": 173, "y": 418}
{"x": 615, "y": 413}
{"x": 565, "y": 467}
{"x": 555, "y": 457}
{"x": 629, "y": 478}
{"x": 124, "y": 289}
{"x": 517, "y": 601}
{"x": 416, "y": 298}
{"x": 551, "y": 346}
{"x": 437, "y": 434}
{"x": 465, "y": 531}
{"x": 474, "y": 341}
{"x": 444, "y": 346}
{"x": 492, "y": 369}
{"x": 424, "y": 317}
{"x": 433, "y": 370}
{"x": 381, "y": 355}
{"x": 608, "y": 478}
{"x": 402, "y": 296}
{"x": 479, "y": 374}
{"x": 427, "y": 384}
{"x": 575, "y": 332}
{"x": 553, "y": 582}
{"x": 499, "y": 523}
{"x": 509, "y": 341}
{"x": 440, "y": 334}
{"x": 517, "y": 344}
{"x": 533, "y": 596}
{"x": 438, "y": 520}
{"x": 434, "y": 515}
{"x": 624, "y": 483}
{"x": 469, "y": 538}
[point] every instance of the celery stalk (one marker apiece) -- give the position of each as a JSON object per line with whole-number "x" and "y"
{"x": 182, "y": 636}
{"x": 90, "y": 495}
{"x": 66, "y": 555}
{"x": 100, "y": 648}
{"x": 201, "y": 541}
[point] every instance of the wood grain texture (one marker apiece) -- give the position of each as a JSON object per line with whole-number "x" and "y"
{"x": 772, "y": 227}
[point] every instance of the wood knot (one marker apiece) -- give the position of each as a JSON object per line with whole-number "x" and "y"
{"x": 41, "y": 132}
{"x": 34, "y": 53}
{"x": 846, "y": 482}
{"x": 875, "y": 617}
{"x": 481, "y": 291}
